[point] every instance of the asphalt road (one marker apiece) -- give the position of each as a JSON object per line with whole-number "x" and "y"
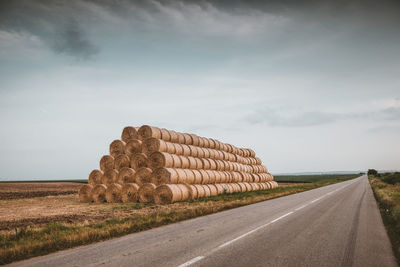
{"x": 336, "y": 225}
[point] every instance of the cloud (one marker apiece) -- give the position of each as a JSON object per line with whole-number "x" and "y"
{"x": 72, "y": 41}
{"x": 287, "y": 117}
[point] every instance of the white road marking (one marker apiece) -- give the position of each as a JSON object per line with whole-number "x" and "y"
{"x": 299, "y": 208}
{"x": 264, "y": 225}
{"x": 283, "y": 216}
{"x": 191, "y": 261}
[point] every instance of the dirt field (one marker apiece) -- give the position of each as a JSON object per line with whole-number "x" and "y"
{"x": 29, "y": 190}
{"x": 38, "y": 204}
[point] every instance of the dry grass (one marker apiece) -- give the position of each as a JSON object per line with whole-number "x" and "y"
{"x": 110, "y": 220}
{"x": 388, "y": 197}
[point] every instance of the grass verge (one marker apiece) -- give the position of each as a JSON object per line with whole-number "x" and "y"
{"x": 387, "y": 192}
{"x": 27, "y": 243}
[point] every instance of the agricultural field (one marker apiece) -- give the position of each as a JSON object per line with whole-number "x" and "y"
{"x": 46, "y": 217}
{"x": 311, "y": 178}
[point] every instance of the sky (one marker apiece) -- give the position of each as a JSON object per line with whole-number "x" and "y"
{"x": 309, "y": 85}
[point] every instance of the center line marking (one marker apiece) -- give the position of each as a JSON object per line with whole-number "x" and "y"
{"x": 283, "y": 216}
{"x": 299, "y": 208}
{"x": 191, "y": 261}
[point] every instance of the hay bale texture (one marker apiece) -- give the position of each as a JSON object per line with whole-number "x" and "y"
{"x": 151, "y": 164}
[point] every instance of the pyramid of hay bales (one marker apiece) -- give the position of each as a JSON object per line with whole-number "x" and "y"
{"x": 150, "y": 164}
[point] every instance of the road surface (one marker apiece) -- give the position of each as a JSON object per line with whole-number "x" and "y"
{"x": 335, "y": 225}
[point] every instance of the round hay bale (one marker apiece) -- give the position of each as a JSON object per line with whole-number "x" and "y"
{"x": 200, "y": 152}
{"x": 192, "y": 163}
{"x": 173, "y": 136}
{"x": 270, "y": 177}
{"x": 147, "y": 131}
{"x": 143, "y": 176}
{"x": 161, "y": 159}
{"x": 181, "y": 138}
{"x": 211, "y": 153}
{"x": 106, "y": 163}
{"x": 150, "y": 145}
{"x": 212, "y": 176}
{"x": 185, "y": 163}
{"x": 213, "y": 164}
{"x": 165, "y": 176}
{"x": 113, "y": 193}
{"x": 190, "y": 178}
{"x": 207, "y": 191}
{"x": 200, "y": 190}
{"x": 255, "y": 177}
{"x": 95, "y": 177}
{"x": 126, "y": 175}
{"x": 225, "y": 188}
{"x": 121, "y": 161}
{"x": 117, "y": 147}
{"x": 186, "y": 193}
{"x": 178, "y": 149}
{"x": 194, "y": 191}
{"x": 206, "y": 152}
{"x": 188, "y": 139}
{"x": 220, "y": 189}
{"x": 167, "y": 193}
{"x": 195, "y": 139}
{"x": 146, "y": 193}
{"x": 236, "y": 177}
{"x": 129, "y": 133}
{"x": 197, "y": 176}
{"x": 205, "y": 179}
{"x": 218, "y": 178}
{"x": 129, "y": 192}
{"x": 139, "y": 160}
{"x": 193, "y": 151}
{"x": 181, "y": 176}
{"x": 206, "y": 164}
{"x": 213, "y": 189}
{"x": 109, "y": 177}
{"x": 186, "y": 150}
{"x": 248, "y": 186}
{"x": 165, "y": 135}
{"x": 99, "y": 193}
{"x": 206, "y": 142}
{"x": 199, "y": 163}
{"x": 275, "y": 184}
{"x": 133, "y": 147}
{"x": 85, "y": 193}
{"x": 211, "y": 143}
{"x": 258, "y": 161}
{"x": 201, "y": 141}
{"x": 242, "y": 187}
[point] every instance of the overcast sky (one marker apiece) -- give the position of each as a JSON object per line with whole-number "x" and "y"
{"x": 310, "y": 86}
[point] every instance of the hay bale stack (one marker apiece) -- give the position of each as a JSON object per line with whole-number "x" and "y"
{"x": 109, "y": 177}
{"x": 106, "y": 163}
{"x": 143, "y": 176}
{"x": 167, "y": 193}
{"x": 146, "y": 193}
{"x": 130, "y": 192}
{"x": 121, "y": 161}
{"x": 117, "y": 147}
{"x": 129, "y": 133}
{"x": 139, "y": 160}
{"x": 133, "y": 147}
{"x": 156, "y": 164}
{"x": 113, "y": 193}
{"x": 126, "y": 175}
{"x": 99, "y": 193}
{"x": 95, "y": 177}
{"x": 85, "y": 193}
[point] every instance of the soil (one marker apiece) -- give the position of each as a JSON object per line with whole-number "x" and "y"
{"x": 34, "y": 205}
{"x": 29, "y": 190}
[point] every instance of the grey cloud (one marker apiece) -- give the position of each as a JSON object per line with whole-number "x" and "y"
{"x": 72, "y": 41}
{"x": 298, "y": 119}
{"x": 274, "y": 117}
